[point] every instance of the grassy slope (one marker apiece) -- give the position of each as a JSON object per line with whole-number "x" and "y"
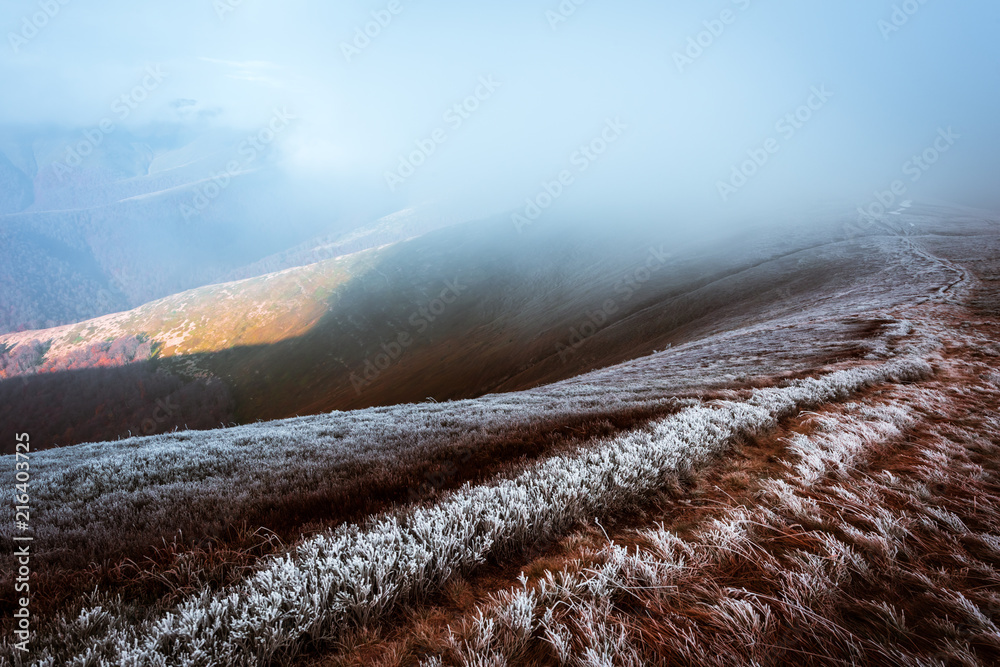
{"x": 787, "y": 346}
{"x": 863, "y": 534}
{"x": 857, "y": 533}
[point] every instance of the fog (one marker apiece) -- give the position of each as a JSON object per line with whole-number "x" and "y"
{"x": 679, "y": 115}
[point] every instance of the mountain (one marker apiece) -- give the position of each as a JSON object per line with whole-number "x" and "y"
{"x": 93, "y": 223}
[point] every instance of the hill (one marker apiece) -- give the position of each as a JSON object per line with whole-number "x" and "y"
{"x": 806, "y": 479}
{"x": 450, "y": 314}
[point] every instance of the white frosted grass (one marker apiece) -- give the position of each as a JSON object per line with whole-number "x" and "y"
{"x": 90, "y": 497}
{"x": 356, "y": 574}
{"x": 807, "y": 578}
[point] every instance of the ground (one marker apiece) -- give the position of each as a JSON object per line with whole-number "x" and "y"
{"x": 813, "y": 482}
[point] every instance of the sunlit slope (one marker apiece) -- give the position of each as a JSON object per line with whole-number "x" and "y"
{"x": 255, "y": 311}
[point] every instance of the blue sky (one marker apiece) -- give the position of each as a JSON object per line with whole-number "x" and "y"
{"x": 559, "y": 83}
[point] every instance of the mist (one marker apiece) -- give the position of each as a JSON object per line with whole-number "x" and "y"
{"x": 229, "y": 131}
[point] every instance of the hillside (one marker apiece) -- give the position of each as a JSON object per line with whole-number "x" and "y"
{"x": 820, "y": 479}
{"x": 144, "y": 215}
{"x": 451, "y": 314}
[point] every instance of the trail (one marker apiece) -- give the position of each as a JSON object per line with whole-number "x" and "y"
{"x": 955, "y": 290}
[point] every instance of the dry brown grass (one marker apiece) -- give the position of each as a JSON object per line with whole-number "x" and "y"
{"x": 148, "y": 574}
{"x": 150, "y": 577}
{"x": 889, "y": 557}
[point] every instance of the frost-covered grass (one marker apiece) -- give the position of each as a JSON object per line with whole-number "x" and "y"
{"x": 878, "y": 545}
{"x": 92, "y": 502}
{"x": 357, "y": 574}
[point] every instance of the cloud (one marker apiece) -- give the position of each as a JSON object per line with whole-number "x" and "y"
{"x": 253, "y": 71}
{"x": 245, "y": 64}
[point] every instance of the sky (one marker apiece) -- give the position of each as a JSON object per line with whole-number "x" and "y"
{"x": 638, "y": 109}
